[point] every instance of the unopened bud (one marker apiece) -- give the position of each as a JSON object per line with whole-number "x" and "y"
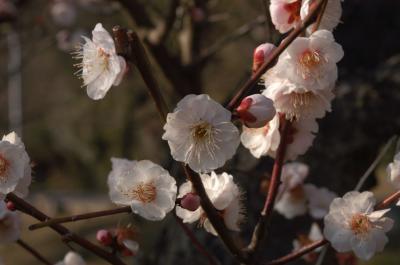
{"x": 11, "y": 206}
{"x": 260, "y": 53}
{"x": 104, "y": 237}
{"x": 256, "y": 110}
{"x": 190, "y": 201}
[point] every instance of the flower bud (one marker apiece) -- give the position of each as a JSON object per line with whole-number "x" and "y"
{"x": 256, "y": 110}
{"x": 260, "y": 53}
{"x": 190, "y": 201}
{"x": 11, "y": 206}
{"x": 104, "y": 237}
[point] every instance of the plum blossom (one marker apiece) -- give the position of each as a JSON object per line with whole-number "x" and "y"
{"x": 310, "y": 62}
{"x": 393, "y": 171}
{"x": 9, "y": 225}
{"x": 296, "y": 101}
{"x": 143, "y": 185}
{"x": 224, "y": 194}
{"x": 302, "y": 240}
{"x": 285, "y": 14}
{"x": 352, "y": 224}
{"x": 265, "y": 141}
{"x": 15, "y": 169}
{"x": 291, "y": 200}
{"x": 256, "y": 110}
{"x": 319, "y": 200}
{"x": 101, "y": 67}
{"x": 72, "y": 258}
{"x": 330, "y": 18}
{"x": 200, "y": 133}
{"x": 260, "y": 53}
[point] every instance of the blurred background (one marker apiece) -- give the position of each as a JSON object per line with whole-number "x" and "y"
{"x": 196, "y": 46}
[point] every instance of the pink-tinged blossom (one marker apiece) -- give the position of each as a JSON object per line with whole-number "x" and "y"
{"x": 330, "y": 18}
{"x": 310, "y": 62}
{"x": 256, "y": 110}
{"x": 285, "y": 14}
{"x": 353, "y": 225}
{"x": 260, "y": 54}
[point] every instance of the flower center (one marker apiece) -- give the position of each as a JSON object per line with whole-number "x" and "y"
{"x": 299, "y": 104}
{"x": 4, "y": 165}
{"x": 144, "y": 192}
{"x": 297, "y": 193}
{"x": 294, "y": 11}
{"x": 201, "y": 131}
{"x": 104, "y": 56}
{"x": 310, "y": 59}
{"x": 360, "y": 224}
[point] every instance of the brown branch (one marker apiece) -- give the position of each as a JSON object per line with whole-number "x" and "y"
{"x": 388, "y": 201}
{"x": 320, "y": 15}
{"x": 194, "y": 240}
{"x": 33, "y": 252}
{"x": 273, "y": 56}
{"x": 298, "y": 253}
{"x": 29, "y": 209}
{"x": 213, "y": 215}
{"x": 79, "y": 217}
{"x": 260, "y": 229}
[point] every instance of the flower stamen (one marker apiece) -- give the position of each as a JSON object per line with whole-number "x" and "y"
{"x": 360, "y": 224}
{"x": 144, "y": 192}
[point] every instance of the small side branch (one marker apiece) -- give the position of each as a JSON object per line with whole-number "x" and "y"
{"x": 78, "y": 217}
{"x": 33, "y": 252}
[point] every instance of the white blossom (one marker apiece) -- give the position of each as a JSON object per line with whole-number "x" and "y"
{"x": 143, "y": 185}
{"x": 265, "y": 141}
{"x": 291, "y": 199}
{"x": 295, "y": 100}
{"x": 72, "y": 258}
{"x": 285, "y": 14}
{"x": 393, "y": 171}
{"x": 314, "y": 235}
{"x": 101, "y": 67}
{"x": 319, "y": 200}
{"x": 352, "y": 224}
{"x": 224, "y": 194}
{"x": 330, "y": 18}
{"x": 9, "y": 225}
{"x": 256, "y": 110}
{"x": 15, "y": 170}
{"x": 310, "y": 62}
{"x": 200, "y": 133}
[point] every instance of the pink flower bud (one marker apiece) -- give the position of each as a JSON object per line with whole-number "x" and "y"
{"x": 190, "y": 201}
{"x": 11, "y": 206}
{"x": 104, "y": 237}
{"x": 260, "y": 53}
{"x": 256, "y": 110}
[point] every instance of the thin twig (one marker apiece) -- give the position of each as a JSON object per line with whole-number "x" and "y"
{"x": 194, "y": 240}
{"x": 77, "y": 217}
{"x": 375, "y": 163}
{"x": 29, "y": 209}
{"x": 388, "y": 201}
{"x": 320, "y": 15}
{"x": 260, "y": 229}
{"x": 298, "y": 253}
{"x": 270, "y": 60}
{"x": 33, "y": 252}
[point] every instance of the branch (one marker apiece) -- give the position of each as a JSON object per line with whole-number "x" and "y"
{"x": 260, "y": 229}
{"x": 29, "y": 209}
{"x": 213, "y": 215}
{"x": 169, "y": 20}
{"x": 270, "y": 60}
{"x": 194, "y": 240}
{"x": 33, "y": 252}
{"x": 79, "y": 217}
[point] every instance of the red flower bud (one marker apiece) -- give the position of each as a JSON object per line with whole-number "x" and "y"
{"x": 190, "y": 201}
{"x": 11, "y": 206}
{"x": 256, "y": 110}
{"x": 260, "y": 54}
{"x": 104, "y": 237}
